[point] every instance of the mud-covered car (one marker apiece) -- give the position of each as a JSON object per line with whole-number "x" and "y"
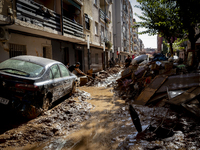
{"x": 30, "y": 84}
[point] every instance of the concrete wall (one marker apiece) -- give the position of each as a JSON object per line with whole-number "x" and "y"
{"x": 96, "y": 66}
{"x": 4, "y": 54}
{"x": 34, "y": 46}
{"x": 58, "y": 51}
{"x": 4, "y": 7}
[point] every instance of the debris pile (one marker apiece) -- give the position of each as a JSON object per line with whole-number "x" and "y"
{"x": 104, "y": 77}
{"x": 159, "y": 82}
{"x": 58, "y": 121}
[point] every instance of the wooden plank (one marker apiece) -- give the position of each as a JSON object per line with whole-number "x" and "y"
{"x": 185, "y": 97}
{"x": 149, "y": 91}
{"x": 193, "y": 108}
{"x": 177, "y": 82}
{"x": 156, "y": 98}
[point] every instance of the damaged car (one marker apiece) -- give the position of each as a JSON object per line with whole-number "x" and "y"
{"x": 30, "y": 84}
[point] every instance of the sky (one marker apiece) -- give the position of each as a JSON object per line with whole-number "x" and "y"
{"x": 148, "y": 41}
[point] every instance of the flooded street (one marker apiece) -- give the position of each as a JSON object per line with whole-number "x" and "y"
{"x": 95, "y": 117}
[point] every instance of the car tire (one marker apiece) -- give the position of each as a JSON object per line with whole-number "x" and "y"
{"x": 45, "y": 104}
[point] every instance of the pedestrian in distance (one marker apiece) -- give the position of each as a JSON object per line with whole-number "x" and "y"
{"x": 127, "y": 61}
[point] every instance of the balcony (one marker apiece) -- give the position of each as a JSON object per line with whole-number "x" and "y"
{"x": 73, "y": 28}
{"x": 34, "y": 13}
{"x": 103, "y": 16}
{"x": 37, "y": 14}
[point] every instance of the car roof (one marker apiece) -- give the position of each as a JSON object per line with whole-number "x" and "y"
{"x": 37, "y": 60}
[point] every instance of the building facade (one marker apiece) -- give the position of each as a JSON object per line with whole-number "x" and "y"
{"x": 100, "y": 31}
{"x": 55, "y": 29}
{"x": 123, "y": 31}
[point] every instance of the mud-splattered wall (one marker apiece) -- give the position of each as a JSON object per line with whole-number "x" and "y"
{"x": 34, "y": 46}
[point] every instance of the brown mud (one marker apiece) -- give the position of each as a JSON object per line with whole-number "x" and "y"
{"x": 96, "y": 118}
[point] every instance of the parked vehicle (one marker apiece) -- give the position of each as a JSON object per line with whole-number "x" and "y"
{"x": 31, "y": 84}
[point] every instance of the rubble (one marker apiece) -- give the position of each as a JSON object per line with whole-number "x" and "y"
{"x": 153, "y": 82}
{"x": 58, "y": 121}
{"x": 105, "y": 78}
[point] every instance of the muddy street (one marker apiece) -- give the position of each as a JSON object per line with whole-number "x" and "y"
{"x": 97, "y": 116}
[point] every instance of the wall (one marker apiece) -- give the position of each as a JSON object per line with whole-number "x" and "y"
{"x": 94, "y": 66}
{"x": 4, "y": 7}
{"x": 58, "y": 51}
{"x": 34, "y": 46}
{"x": 4, "y": 54}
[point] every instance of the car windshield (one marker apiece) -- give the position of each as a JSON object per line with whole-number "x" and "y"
{"x": 20, "y": 67}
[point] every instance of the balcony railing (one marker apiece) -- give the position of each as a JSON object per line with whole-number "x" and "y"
{"x": 103, "y": 16}
{"x": 34, "y": 13}
{"x": 73, "y": 28}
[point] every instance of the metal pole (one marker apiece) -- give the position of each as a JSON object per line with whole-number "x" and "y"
{"x": 62, "y": 17}
{"x": 104, "y": 55}
{"x": 88, "y": 47}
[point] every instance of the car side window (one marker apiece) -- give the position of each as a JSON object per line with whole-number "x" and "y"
{"x": 64, "y": 70}
{"x": 55, "y": 71}
{"x": 50, "y": 74}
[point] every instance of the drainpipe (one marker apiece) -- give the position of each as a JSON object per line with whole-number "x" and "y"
{"x": 104, "y": 55}
{"x": 106, "y": 33}
{"x": 62, "y": 17}
{"x": 88, "y": 47}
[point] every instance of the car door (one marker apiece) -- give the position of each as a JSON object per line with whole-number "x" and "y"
{"x": 67, "y": 79}
{"x": 57, "y": 82}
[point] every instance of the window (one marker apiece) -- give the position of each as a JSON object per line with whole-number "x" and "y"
{"x": 87, "y": 22}
{"x": 16, "y": 50}
{"x": 96, "y": 28}
{"x": 50, "y": 74}
{"x": 22, "y": 68}
{"x": 96, "y": 59}
{"x": 102, "y": 31}
{"x": 64, "y": 71}
{"x": 55, "y": 71}
{"x": 110, "y": 36}
{"x": 106, "y": 33}
{"x": 109, "y": 15}
{"x": 95, "y": 2}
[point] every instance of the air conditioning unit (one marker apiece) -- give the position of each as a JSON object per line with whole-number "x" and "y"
{"x": 4, "y": 35}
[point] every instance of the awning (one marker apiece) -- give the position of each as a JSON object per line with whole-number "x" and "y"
{"x": 74, "y": 4}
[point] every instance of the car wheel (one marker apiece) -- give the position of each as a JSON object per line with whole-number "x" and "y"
{"x": 46, "y": 104}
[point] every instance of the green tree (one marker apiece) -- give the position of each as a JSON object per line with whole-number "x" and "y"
{"x": 160, "y": 17}
{"x": 177, "y": 45}
{"x": 189, "y": 15}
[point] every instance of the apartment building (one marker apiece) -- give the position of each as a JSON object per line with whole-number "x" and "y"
{"x": 99, "y": 31}
{"x": 135, "y": 40}
{"x": 141, "y": 45}
{"x": 124, "y": 33}
{"x": 55, "y": 29}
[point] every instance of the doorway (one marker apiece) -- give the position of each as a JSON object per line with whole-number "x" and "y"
{"x": 78, "y": 58}
{"x": 66, "y": 55}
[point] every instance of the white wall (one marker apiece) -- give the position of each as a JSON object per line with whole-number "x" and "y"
{"x": 34, "y": 46}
